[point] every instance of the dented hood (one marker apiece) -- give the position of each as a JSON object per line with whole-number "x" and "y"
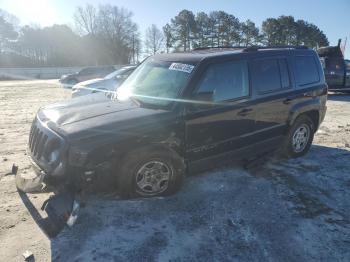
{"x": 96, "y": 115}
{"x": 82, "y": 108}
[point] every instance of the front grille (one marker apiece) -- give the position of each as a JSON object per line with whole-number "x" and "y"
{"x": 42, "y": 141}
{"x": 37, "y": 141}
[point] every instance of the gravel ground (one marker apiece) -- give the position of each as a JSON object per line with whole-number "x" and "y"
{"x": 296, "y": 210}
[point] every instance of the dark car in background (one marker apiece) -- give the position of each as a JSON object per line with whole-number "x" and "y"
{"x": 179, "y": 112}
{"x": 109, "y": 83}
{"x": 336, "y": 68}
{"x": 86, "y": 73}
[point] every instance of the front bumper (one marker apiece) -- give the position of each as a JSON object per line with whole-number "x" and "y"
{"x": 61, "y": 208}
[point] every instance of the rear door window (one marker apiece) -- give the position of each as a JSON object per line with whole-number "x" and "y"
{"x": 306, "y": 71}
{"x": 270, "y": 75}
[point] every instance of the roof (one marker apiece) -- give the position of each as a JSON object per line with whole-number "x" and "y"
{"x": 196, "y": 55}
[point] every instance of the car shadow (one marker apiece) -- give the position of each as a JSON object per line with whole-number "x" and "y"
{"x": 221, "y": 214}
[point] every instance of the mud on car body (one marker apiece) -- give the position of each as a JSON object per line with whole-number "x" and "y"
{"x": 180, "y": 111}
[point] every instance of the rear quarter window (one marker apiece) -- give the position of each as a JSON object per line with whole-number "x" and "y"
{"x": 306, "y": 70}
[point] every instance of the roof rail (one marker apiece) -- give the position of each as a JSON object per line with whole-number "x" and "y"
{"x": 219, "y": 47}
{"x": 256, "y": 48}
{"x": 252, "y": 48}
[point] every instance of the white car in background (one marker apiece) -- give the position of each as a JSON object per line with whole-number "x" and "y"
{"x": 108, "y": 83}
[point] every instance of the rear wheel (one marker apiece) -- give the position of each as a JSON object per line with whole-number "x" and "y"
{"x": 148, "y": 173}
{"x": 299, "y": 138}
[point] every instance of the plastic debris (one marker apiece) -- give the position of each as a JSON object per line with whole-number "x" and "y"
{"x": 14, "y": 169}
{"x": 28, "y": 255}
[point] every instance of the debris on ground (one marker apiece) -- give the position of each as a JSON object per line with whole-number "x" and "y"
{"x": 14, "y": 169}
{"x": 28, "y": 255}
{"x": 62, "y": 209}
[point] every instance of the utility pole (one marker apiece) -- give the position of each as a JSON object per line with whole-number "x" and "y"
{"x": 133, "y": 48}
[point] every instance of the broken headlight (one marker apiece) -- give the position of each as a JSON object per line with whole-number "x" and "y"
{"x": 54, "y": 155}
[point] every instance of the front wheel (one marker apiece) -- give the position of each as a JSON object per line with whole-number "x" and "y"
{"x": 148, "y": 173}
{"x": 299, "y": 138}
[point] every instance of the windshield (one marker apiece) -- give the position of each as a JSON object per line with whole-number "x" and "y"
{"x": 121, "y": 71}
{"x": 156, "y": 82}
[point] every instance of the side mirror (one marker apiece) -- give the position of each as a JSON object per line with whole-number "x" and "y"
{"x": 204, "y": 97}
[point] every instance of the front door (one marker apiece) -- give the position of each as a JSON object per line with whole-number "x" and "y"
{"x": 225, "y": 121}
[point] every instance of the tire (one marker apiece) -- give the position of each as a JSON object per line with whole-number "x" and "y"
{"x": 135, "y": 177}
{"x": 294, "y": 146}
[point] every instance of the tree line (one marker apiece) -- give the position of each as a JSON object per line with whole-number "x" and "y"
{"x": 108, "y": 35}
{"x": 218, "y": 28}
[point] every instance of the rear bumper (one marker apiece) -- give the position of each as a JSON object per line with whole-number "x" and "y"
{"x": 322, "y": 115}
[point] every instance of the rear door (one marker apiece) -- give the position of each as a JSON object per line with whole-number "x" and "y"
{"x": 272, "y": 88}
{"x": 227, "y": 122}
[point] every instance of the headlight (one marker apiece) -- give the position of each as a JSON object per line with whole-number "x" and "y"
{"x": 54, "y": 155}
{"x": 53, "y": 151}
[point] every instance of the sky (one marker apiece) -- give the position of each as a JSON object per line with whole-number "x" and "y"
{"x": 331, "y": 16}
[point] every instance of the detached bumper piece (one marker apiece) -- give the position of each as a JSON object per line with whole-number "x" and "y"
{"x": 30, "y": 185}
{"x": 62, "y": 209}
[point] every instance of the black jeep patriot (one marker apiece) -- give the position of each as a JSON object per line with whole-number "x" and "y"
{"x": 183, "y": 110}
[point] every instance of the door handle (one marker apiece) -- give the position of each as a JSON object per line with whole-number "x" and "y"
{"x": 244, "y": 111}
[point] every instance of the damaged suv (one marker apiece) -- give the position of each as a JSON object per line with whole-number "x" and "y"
{"x": 180, "y": 111}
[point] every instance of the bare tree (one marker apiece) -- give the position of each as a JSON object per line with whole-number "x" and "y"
{"x": 154, "y": 40}
{"x": 7, "y": 32}
{"x": 167, "y": 30}
{"x": 86, "y": 19}
{"x": 118, "y": 32}
{"x": 112, "y": 34}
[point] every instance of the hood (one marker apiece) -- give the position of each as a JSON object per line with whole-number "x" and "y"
{"x": 66, "y": 76}
{"x": 81, "y": 108}
{"x": 96, "y": 114}
{"x": 99, "y": 83}
{"x": 89, "y": 82}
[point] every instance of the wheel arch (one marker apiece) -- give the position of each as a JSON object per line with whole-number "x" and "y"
{"x": 310, "y": 109}
{"x": 160, "y": 147}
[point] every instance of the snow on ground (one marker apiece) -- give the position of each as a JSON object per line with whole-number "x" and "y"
{"x": 295, "y": 210}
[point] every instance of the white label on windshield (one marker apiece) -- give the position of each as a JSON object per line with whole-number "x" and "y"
{"x": 181, "y": 67}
